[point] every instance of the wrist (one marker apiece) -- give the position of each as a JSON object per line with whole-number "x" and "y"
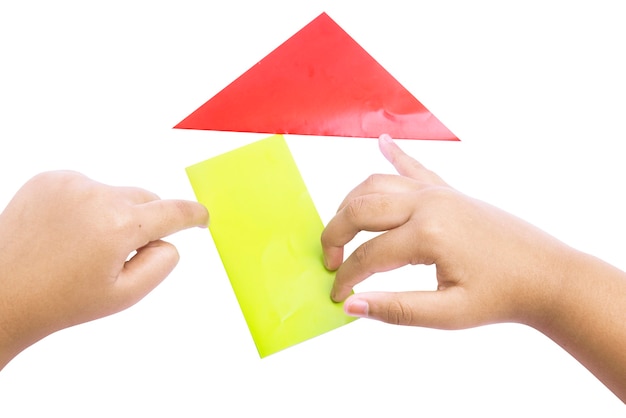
{"x": 586, "y": 318}
{"x": 544, "y": 301}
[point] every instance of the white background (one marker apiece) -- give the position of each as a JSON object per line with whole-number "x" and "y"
{"x": 534, "y": 89}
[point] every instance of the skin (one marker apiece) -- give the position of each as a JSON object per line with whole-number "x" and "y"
{"x": 491, "y": 267}
{"x": 65, "y": 242}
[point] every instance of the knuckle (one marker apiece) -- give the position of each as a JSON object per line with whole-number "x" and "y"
{"x": 56, "y": 182}
{"x": 373, "y": 180}
{"x": 361, "y": 254}
{"x": 398, "y": 313}
{"x": 355, "y": 208}
{"x": 180, "y": 209}
{"x": 365, "y": 207}
{"x": 431, "y": 231}
{"x": 120, "y": 221}
{"x": 436, "y": 223}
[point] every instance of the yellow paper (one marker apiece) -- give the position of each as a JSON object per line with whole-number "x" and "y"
{"x": 267, "y": 232}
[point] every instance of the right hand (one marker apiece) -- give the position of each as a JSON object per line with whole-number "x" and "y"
{"x": 491, "y": 266}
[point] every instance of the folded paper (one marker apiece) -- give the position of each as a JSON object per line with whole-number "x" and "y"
{"x": 267, "y": 232}
{"x": 318, "y": 82}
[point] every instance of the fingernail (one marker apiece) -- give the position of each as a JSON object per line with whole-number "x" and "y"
{"x": 386, "y": 138}
{"x": 356, "y": 307}
{"x": 383, "y": 143}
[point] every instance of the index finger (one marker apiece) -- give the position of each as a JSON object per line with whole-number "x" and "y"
{"x": 382, "y": 183}
{"x": 406, "y": 165}
{"x": 160, "y": 218}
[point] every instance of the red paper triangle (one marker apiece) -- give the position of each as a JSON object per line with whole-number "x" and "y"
{"x": 318, "y": 82}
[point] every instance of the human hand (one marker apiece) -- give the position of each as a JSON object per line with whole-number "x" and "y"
{"x": 491, "y": 266}
{"x": 65, "y": 242}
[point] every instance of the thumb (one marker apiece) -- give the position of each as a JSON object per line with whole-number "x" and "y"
{"x": 441, "y": 309}
{"x": 144, "y": 271}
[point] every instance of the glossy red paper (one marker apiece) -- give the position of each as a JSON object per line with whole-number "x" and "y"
{"x": 318, "y": 82}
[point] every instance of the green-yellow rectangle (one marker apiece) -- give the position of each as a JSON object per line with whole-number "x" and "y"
{"x": 267, "y": 232}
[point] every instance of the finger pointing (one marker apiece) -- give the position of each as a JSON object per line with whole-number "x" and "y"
{"x": 404, "y": 164}
{"x": 160, "y": 218}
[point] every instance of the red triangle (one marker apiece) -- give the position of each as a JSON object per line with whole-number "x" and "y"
{"x": 318, "y": 82}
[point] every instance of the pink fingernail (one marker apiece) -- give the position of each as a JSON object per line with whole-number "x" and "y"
{"x": 356, "y": 307}
{"x": 386, "y": 138}
{"x": 384, "y": 142}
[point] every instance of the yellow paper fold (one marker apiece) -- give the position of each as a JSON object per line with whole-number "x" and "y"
{"x": 267, "y": 232}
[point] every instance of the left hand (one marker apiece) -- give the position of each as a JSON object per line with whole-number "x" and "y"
{"x": 65, "y": 242}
